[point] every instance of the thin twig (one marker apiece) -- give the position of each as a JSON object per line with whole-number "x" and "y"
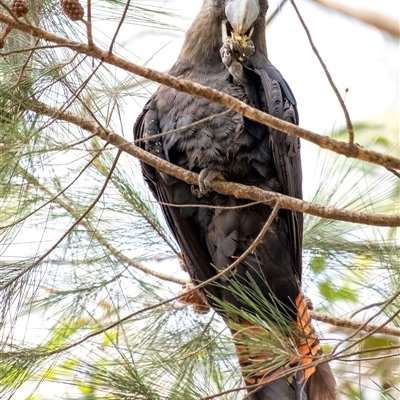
{"x": 84, "y": 289}
{"x": 358, "y": 325}
{"x": 191, "y": 205}
{"x": 367, "y": 307}
{"x": 349, "y": 124}
{"x": 369, "y": 350}
{"x": 89, "y": 24}
{"x": 69, "y": 230}
{"x": 128, "y": 3}
{"x": 181, "y": 128}
{"x": 361, "y": 359}
{"x": 21, "y": 74}
{"x": 52, "y": 196}
{"x": 31, "y": 49}
{"x": 272, "y": 16}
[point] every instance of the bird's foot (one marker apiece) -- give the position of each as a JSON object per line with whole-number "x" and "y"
{"x": 195, "y": 191}
{"x": 228, "y": 56}
{"x": 233, "y": 52}
{"x": 309, "y": 303}
{"x": 206, "y": 177}
{"x": 236, "y": 70}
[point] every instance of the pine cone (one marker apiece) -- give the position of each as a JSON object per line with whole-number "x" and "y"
{"x": 19, "y": 8}
{"x": 193, "y": 299}
{"x": 73, "y": 9}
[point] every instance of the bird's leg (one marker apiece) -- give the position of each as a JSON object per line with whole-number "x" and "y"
{"x": 206, "y": 177}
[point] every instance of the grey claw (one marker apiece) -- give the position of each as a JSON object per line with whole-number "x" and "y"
{"x": 206, "y": 177}
{"x": 236, "y": 70}
{"x": 225, "y": 53}
{"x": 310, "y": 304}
{"x": 250, "y": 48}
{"x": 232, "y": 53}
{"x": 237, "y": 50}
{"x": 196, "y": 191}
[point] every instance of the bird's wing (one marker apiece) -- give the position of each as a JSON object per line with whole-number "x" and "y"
{"x": 187, "y": 224}
{"x": 280, "y": 103}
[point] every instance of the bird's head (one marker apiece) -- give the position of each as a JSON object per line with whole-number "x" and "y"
{"x": 218, "y": 20}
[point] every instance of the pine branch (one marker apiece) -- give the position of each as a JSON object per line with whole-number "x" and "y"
{"x": 349, "y": 124}
{"x": 228, "y": 188}
{"x": 346, "y": 149}
{"x": 357, "y": 325}
{"x": 374, "y": 329}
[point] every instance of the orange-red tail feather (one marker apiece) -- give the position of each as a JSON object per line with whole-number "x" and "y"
{"x": 258, "y": 369}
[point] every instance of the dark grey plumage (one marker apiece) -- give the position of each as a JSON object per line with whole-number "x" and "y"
{"x": 240, "y": 150}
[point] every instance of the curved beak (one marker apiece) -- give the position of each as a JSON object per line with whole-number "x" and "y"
{"x": 242, "y": 14}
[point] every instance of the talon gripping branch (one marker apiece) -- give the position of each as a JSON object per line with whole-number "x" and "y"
{"x": 225, "y": 49}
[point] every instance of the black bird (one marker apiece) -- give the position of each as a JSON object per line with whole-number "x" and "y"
{"x": 225, "y": 49}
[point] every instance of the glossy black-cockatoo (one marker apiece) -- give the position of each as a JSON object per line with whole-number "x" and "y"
{"x": 225, "y": 49}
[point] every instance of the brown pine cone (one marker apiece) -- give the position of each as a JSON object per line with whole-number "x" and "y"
{"x": 193, "y": 299}
{"x": 73, "y": 9}
{"x": 19, "y": 8}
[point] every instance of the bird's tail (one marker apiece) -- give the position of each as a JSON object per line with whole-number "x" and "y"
{"x": 266, "y": 375}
